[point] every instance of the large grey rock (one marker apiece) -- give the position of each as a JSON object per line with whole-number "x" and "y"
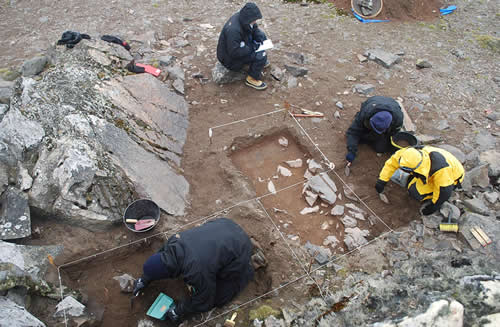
{"x": 296, "y": 71}
{"x": 222, "y": 75}
{"x": 70, "y": 307}
{"x": 20, "y": 134}
{"x": 492, "y": 158}
{"x": 477, "y": 205}
{"x": 488, "y": 225}
{"x": 338, "y": 210}
{"x": 439, "y": 313}
{"x": 15, "y": 219}
{"x": 485, "y": 141}
{"x": 428, "y": 139}
{"x": 477, "y": 176}
{"x": 491, "y": 197}
{"x": 383, "y": 58}
{"x": 364, "y": 88}
{"x": 34, "y": 66}
{"x": 25, "y": 266}
{"x": 13, "y": 315}
{"x": 4, "y": 177}
{"x": 454, "y": 151}
{"x": 323, "y": 186}
{"x": 159, "y": 181}
{"x": 321, "y": 254}
{"x": 6, "y": 91}
{"x": 448, "y": 208}
{"x": 176, "y": 72}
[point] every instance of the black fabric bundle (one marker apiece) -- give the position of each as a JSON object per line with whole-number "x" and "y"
{"x": 70, "y": 38}
{"x": 131, "y": 67}
{"x": 114, "y": 39}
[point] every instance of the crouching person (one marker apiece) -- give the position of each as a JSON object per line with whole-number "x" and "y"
{"x": 433, "y": 175}
{"x": 238, "y": 40}
{"x": 215, "y": 261}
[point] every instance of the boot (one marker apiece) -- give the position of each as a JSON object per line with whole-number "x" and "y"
{"x": 256, "y": 84}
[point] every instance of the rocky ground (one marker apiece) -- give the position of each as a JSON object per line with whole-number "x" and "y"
{"x": 77, "y": 132}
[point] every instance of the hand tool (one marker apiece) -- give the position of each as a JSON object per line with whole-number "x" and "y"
{"x": 144, "y": 223}
{"x": 231, "y": 322}
{"x": 347, "y": 170}
{"x": 449, "y": 226}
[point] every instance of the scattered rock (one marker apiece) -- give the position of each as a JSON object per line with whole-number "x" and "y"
{"x": 442, "y": 125}
{"x": 324, "y": 187}
{"x": 339, "y": 105}
{"x": 178, "y": 85}
{"x": 297, "y": 58}
{"x": 272, "y": 321}
{"x": 364, "y": 88}
{"x": 292, "y": 82}
{"x": 284, "y": 171}
{"x": 486, "y": 141}
{"x": 349, "y": 222}
{"x": 271, "y": 188}
{"x": 492, "y": 158}
{"x": 297, "y": 163}
{"x": 34, "y": 66}
{"x": 349, "y": 193}
{"x": 421, "y": 63}
{"x": 70, "y": 307}
{"x": 13, "y": 315}
{"x": 126, "y": 282}
{"x": 477, "y": 176}
{"x": 277, "y": 73}
{"x": 458, "y": 53}
{"x": 321, "y": 254}
{"x": 222, "y": 75}
{"x": 454, "y": 151}
{"x": 15, "y": 219}
{"x": 176, "y": 72}
{"x": 296, "y": 71}
{"x": 330, "y": 241}
{"x": 355, "y": 237}
{"x": 6, "y": 91}
{"x": 362, "y": 58}
{"x": 338, "y": 210}
{"x": 355, "y": 208}
{"x": 311, "y": 198}
{"x": 313, "y": 166}
{"x": 283, "y": 141}
{"x": 491, "y": 197}
{"x": 306, "y": 211}
{"x": 477, "y": 205}
{"x": 336, "y": 115}
{"x": 428, "y": 139}
{"x": 447, "y": 207}
{"x": 383, "y": 58}
{"x": 166, "y": 60}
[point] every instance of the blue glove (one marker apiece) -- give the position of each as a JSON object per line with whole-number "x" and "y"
{"x": 139, "y": 285}
{"x": 350, "y": 157}
{"x": 172, "y": 315}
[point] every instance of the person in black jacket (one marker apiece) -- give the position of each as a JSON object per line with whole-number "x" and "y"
{"x": 379, "y": 118}
{"x": 238, "y": 40}
{"x": 215, "y": 261}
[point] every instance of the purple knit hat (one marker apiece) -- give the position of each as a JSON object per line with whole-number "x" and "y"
{"x": 381, "y": 121}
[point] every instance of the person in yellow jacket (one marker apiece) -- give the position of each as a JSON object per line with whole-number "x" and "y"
{"x": 434, "y": 174}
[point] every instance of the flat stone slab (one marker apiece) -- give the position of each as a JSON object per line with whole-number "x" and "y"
{"x": 15, "y": 220}
{"x": 454, "y": 151}
{"x": 324, "y": 187}
{"x": 492, "y": 158}
{"x": 13, "y": 315}
{"x": 386, "y": 59}
{"x": 222, "y": 75}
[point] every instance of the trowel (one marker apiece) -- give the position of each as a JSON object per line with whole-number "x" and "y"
{"x": 141, "y": 223}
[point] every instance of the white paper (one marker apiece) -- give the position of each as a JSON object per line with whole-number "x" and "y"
{"x": 266, "y": 45}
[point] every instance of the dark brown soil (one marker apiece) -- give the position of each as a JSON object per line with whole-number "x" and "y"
{"x": 401, "y": 10}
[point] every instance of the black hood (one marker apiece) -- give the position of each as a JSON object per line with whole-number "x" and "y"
{"x": 249, "y": 13}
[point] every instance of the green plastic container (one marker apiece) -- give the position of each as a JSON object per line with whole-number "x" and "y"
{"x": 159, "y": 308}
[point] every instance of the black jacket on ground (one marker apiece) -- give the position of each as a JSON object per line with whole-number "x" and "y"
{"x": 211, "y": 254}
{"x": 360, "y": 127}
{"x": 236, "y": 38}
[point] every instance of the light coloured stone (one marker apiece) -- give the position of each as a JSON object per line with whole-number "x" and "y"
{"x": 338, "y": 210}
{"x": 306, "y": 211}
{"x": 311, "y": 197}
{"x": 70, "y": 306}
{"x": 284, "y": 171}
{"x": 355, "y": 237}
{"x": 348, "y": 222}
{"x": 13, "y": 315}
{"x": 297, "y": 163}
{"x": 283, "y": 141}
{"x": 271, "y": 188}
{"x": 313, "y": 166}
{"x": 319, "y": 185}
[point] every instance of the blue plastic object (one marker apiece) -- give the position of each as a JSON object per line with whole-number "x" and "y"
{"x": 447, "y": 10}
{"x": 160, "y": 307}
{"x": 363, "y": 20}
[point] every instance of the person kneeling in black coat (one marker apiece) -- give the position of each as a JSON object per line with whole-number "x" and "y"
{"x": 215, "y": 261}
{"x": 238, "y": 41}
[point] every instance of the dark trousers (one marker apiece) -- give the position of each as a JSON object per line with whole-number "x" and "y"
{"x": 255, "y": 64}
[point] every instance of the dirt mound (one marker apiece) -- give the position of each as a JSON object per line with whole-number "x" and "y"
{"x": 401, "y": 10}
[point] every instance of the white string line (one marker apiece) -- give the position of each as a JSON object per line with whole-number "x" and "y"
{"x": 338, "y": 176}
{"x": 291, "y": 250}
{"x": 291, "y": 282}
{"x": 246, "y": 119}
{"x": 62, "y": 295}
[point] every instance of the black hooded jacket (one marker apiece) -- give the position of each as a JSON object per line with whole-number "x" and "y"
{"x": 360, "y": 126}
{"x": 236, "y": 38}
{"x": 217, "y": 250}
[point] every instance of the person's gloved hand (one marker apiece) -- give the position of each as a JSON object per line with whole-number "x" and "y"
{"x": 139, "y": 285}
{"x": 350, "y": 157}
{"x": 171, "y": 314}
{"x": 379, "y": 186}
{"x": 428, "y": 209}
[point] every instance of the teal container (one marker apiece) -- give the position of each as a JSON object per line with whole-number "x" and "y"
{"x": 160, "y": 307}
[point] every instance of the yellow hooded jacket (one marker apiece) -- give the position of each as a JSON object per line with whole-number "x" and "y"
{"x": 437, "y": 172}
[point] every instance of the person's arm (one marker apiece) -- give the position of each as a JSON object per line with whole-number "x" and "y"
{"x": 258, "y": 35}
{"x": 354, "y": 133}
{"x": 237, "y": 48}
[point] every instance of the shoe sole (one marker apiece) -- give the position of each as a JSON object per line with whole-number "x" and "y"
{"x": 260, "y": 88}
